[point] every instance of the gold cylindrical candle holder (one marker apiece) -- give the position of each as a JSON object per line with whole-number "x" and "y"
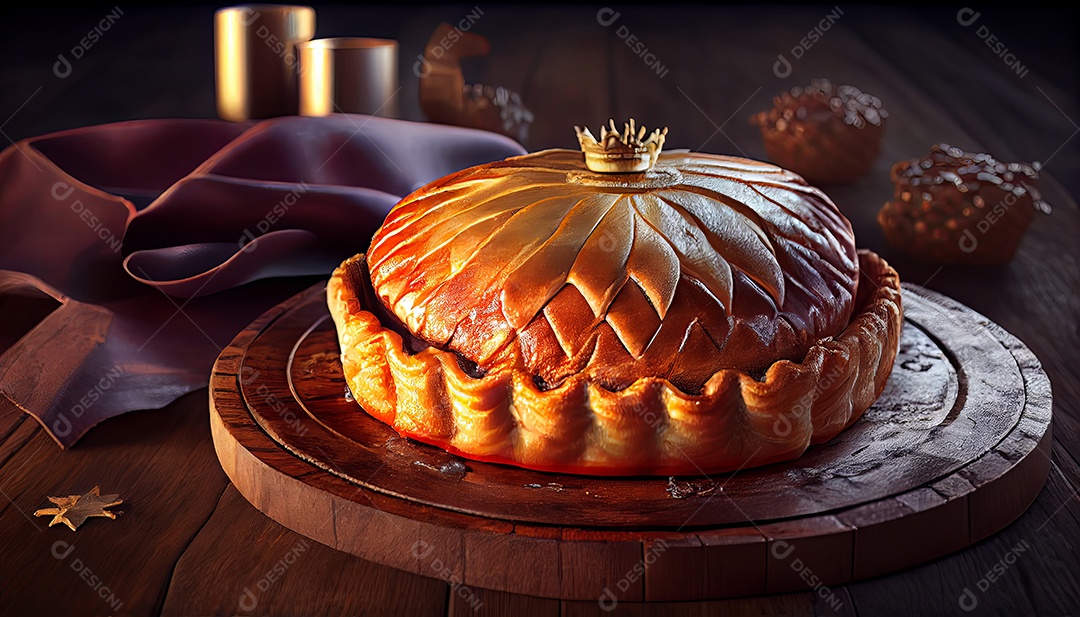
{"x": 256, "y": 59}
{"x": 349, "y": 75}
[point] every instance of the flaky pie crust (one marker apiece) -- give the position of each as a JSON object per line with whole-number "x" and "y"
{"x": 648, "y": 428}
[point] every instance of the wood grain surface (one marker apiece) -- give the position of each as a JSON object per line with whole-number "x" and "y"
{"x": 967, "y": 402}
{"x": 186, "y": 545}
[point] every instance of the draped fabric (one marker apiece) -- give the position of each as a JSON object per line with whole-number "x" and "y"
{"x": 160, "y": 239}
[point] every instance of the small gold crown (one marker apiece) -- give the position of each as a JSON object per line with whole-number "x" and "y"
{"x": 620, "y": 153}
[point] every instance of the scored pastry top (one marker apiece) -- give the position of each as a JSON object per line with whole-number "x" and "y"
{"x": 699, "y": 263}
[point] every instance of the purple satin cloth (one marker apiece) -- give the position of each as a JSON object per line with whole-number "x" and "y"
{"x": 161, "y": 239}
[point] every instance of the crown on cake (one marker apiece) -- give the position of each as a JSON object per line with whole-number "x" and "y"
{"x": 620, "y": 153}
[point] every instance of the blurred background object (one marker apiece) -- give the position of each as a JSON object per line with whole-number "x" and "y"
{"x": 446, "y": 98}
{"x": 256, "y": 60}
{"x": 960, "y": 208}
{"x": 827, "y": 135}
{"x": 349, "y": 75}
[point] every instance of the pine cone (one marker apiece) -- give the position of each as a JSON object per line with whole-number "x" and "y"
{"x": 827, "y": 136}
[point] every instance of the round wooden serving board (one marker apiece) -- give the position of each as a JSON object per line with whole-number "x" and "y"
{"x": 956, "y": 448}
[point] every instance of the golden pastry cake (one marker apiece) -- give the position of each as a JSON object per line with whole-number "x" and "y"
{"x": 617, "y": 311}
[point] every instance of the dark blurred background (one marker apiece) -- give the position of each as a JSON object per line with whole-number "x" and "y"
{"x": 158, "y": 62}
{"x": 931, "y": 67}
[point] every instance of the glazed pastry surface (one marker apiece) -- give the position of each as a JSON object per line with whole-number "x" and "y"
{"x": 536, "y": 264}
{"x": 649, "y": 427}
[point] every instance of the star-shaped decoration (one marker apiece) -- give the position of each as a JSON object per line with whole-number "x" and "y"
{"x": 73, "y": 510}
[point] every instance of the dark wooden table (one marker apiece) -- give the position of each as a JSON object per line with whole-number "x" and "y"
{"x": 189, "y": 544}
